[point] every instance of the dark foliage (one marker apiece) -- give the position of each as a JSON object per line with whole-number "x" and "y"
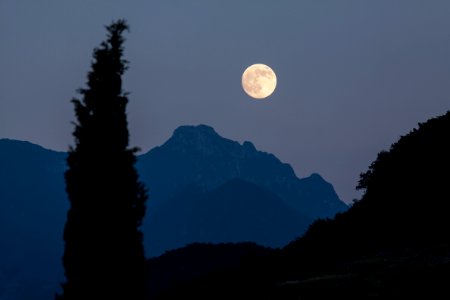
{"x": 104, "y": 255}
{"x": 406, "y": 200}
{"x": 400, "y": 223}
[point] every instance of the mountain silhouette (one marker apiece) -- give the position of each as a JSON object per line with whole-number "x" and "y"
{"x": 197, "y": 160}
{"x": 393, "y": 243}
{"x": 196, "y": 170}
{"x": 197, "y": 155}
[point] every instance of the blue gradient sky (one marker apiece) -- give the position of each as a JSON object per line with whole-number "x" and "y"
{"x": 352, "y": 75}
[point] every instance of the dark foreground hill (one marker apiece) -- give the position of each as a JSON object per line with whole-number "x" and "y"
{"x": 177, "y": 269}
{"x": 393, "y": 243}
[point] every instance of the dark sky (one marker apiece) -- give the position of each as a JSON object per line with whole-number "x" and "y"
{"x": 352, "y": 75}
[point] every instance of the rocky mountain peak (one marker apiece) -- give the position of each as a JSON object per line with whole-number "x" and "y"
{"x": 201, "y": 130}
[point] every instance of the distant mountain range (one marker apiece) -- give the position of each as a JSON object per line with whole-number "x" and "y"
{"x": 197, "y": 155}
{"x": 202, "y": 187}
{"x": 205, "y": 188}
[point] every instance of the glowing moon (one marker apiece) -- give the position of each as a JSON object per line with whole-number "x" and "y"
{"x": 259, "y": 81}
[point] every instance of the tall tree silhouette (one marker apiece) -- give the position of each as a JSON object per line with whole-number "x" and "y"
{"x": 104, "y": 255}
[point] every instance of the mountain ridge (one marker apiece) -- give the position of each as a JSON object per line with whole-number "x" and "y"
{"x": 33, "y": 202}
{"x": 214, "y": 160}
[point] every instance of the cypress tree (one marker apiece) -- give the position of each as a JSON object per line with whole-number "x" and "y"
{"x": 104, "y": 255}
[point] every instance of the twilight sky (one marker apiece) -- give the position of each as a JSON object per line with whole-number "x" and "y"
{"x": 352, "y": 75}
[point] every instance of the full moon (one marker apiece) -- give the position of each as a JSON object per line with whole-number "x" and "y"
{"x": 259, "y": 81}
